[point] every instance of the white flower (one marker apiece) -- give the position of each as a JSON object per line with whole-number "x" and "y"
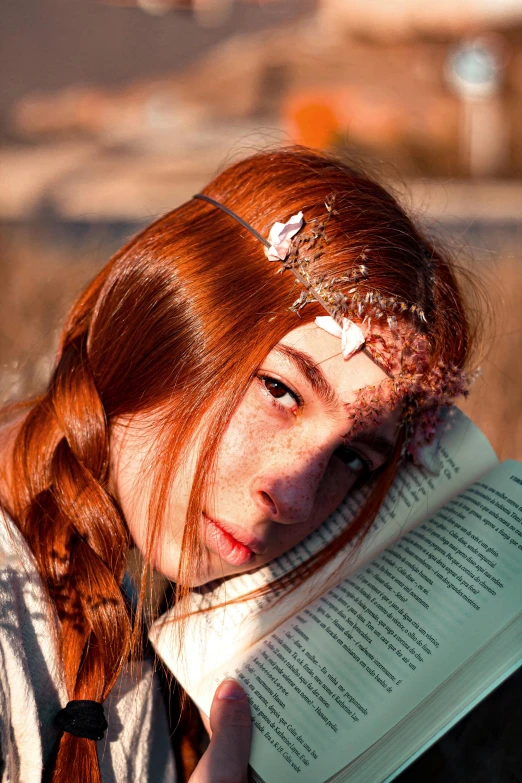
{"x": 280, "y": 237}
{"x": 352, "y": 338}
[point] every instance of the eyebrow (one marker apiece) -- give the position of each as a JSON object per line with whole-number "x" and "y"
{"x": 304, "y": 364}
{"x": 311, "y": 371}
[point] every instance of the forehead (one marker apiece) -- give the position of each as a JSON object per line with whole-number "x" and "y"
{"x": 347, "y": 377}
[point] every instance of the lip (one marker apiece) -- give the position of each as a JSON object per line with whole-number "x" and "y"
{"x": 235, "y": 545}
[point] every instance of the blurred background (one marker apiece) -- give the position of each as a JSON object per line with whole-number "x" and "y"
{"x": 114, "y": 111}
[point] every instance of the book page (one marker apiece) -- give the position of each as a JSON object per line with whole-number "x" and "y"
{"x": 464, "y": 455}
{"x": 332, "y": 680}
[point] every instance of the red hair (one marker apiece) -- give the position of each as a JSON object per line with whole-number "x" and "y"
{"x": 178, "y": 322}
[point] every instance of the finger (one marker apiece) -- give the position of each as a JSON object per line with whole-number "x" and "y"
{"x": 226, "y": 758}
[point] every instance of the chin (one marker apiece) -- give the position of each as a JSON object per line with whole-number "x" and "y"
{"x": 209, "y": 568}
{"x": 211, "y": 571}
{"x": 199, "y": 577}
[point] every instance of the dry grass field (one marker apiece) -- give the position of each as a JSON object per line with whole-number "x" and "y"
{"x": 495, "y": 402}
{"x": 39, "y": 279}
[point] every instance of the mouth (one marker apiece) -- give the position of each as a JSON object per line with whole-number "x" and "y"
{"x": 234, "y": 545}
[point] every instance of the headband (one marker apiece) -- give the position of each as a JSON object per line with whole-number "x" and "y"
{"x": 424, "y": 386}
{"x": 277, "y": 248}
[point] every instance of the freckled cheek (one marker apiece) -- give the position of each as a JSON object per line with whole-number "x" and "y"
{"x": 328, "y": 498}
{"x": 253, "y": 445}
{"x": 332, "y": 489}
{"x": 337, "y": 483}
{"x": 239, "y": 449}
{"x": 334, "y": 484}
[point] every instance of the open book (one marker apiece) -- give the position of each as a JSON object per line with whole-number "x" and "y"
{"x": 359, "y": 670}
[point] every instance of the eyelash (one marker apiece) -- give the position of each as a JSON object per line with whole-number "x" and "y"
{"x": 267, "y": 379}
{"x": 342, "y": 453}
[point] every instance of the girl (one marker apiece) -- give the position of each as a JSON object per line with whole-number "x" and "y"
{"x": 220, "y": 386}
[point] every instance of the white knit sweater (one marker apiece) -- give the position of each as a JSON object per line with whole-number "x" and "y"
{"x": 32, "y": 690}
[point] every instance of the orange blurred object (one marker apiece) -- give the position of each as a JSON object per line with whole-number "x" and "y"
{"x": 312, "y": 120}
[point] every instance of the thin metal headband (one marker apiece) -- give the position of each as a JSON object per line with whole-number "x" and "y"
{"x": 235, "y": 217}
{"x": 306, "y": 285}
{"x": 268, "y": 245}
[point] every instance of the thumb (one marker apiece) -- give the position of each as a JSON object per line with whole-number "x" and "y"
{"x": 226, "y": 758}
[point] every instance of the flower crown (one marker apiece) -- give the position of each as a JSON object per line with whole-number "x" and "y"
{"x": 425, "y": 389}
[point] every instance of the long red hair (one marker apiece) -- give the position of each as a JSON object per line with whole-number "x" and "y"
{"x": 178, "y": 322}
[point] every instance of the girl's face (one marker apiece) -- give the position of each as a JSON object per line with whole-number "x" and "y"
{"x": 284, "y": 464}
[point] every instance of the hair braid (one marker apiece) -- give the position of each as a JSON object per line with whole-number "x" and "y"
{"x": 78, "y": 537}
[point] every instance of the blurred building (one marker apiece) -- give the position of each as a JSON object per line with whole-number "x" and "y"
{"x": 431, "y": 91}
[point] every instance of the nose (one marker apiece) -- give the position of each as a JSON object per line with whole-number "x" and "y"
{"x": 286, "y": 487}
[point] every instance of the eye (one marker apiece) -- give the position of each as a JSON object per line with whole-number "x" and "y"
{"x": 353, "y": 460}
{"x": 280, "y": 392}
